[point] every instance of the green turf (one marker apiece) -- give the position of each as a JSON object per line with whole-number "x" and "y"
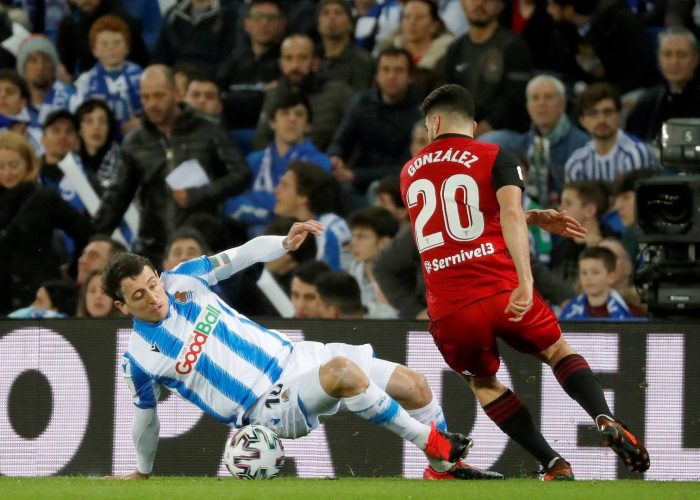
{"x": 337, "y": 489}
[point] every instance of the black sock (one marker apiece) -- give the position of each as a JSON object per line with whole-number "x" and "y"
{"x": 513, "y": 418}
{"x": 577, "y": 379}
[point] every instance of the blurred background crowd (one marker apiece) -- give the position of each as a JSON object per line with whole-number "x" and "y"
{"x": 177, "y": 129}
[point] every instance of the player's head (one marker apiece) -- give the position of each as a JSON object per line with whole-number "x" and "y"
{"x": 372, "y": 229}
{"x": 133, "y": 283}
{"x": 305, "y": 297}
{"x": 449, "y": 108}
{"x": 596, "y": 271}
{"x": 339, "y": 296}
{"x": 101, "y": 248}
{"x": 186, "y": 243}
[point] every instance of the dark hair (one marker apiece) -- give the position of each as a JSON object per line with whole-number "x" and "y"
{"x": 276, "y": 3}
{"x": 600, "y": 253}
{"x": 627, "y": 182}
{"x": 10, "y": 75}
{"x": 595, "y": 192}
{"x": 451, "y": 98}
{"x": 60, "y": 114}
{"x": 187, "y": 233}
{"x": 396, "y": 52}
{"x": 583, "y": 7}
{"x": 378, "y": 219}
{"x": 122, "y": 266}
{"x": 202, "y": 76}
{"x": 340, "y": 290}
{"x": 63, "y": 295}
{"x": 391, "y": 186}
{"x": 286, "y": 99}
{"x": 88, "y": 107}
{"x": 595, "y": 93}
{"x": 316, "y": 184}
{"x": 280, "y": 227}
{"x": 308, "y": 271}
{"x": 115, "y": 247}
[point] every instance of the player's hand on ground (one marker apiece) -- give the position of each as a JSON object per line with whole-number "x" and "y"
{"x": 297, "y": 234}
{"x": 136, "y": 475}
{"x": 560, "y": 223}
{"x": 520, "y": 302}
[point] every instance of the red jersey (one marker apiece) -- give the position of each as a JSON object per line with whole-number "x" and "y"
{"x": 450, "y": 191}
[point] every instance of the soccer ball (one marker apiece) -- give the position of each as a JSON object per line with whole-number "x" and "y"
{"x": 254, "y": 452}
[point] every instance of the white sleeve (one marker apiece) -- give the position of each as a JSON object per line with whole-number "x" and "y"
{"x": 260, "y": 249}
{"x": 144, "y": 431}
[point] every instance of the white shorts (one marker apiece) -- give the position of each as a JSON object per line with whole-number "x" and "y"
{"x": 291, "y": 408}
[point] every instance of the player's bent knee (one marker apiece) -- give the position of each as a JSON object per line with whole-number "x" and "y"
{"x": 422, "y": 395}
{"x": 341, "y": 377}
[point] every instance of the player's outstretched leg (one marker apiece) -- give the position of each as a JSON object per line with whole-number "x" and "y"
{"x": 341, "y": 378}
{"x": 509, "y": 413}
{"x": 577, "y": 379}
{"x": 411, "y": 390}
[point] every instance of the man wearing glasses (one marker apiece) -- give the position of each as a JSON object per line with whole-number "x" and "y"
{"x": 612, "y": 152}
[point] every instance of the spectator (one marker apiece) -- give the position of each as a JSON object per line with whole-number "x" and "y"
{"x": 531, "y": 21}
{"x": 678, "y": 96}
{"x": 169, "y": 136}
{"x": 612, "y": 44}
{"x": 290, "y": 121}
{"x": 92, "y": 300}
{"x": 54, "y": 299}
{"x": 599, "y": 299}
{"x": 29, "y": 213}
{"x": 306, "y": 192}
{"x": 38, "y": 63}
{"x": 14, "y": 116}
{"x": 305, "y": 299}
{"x": 372, "y": 230}
{"x": 99, "y": 152}
{"x": 328, "y": 99}
{"x": 611, "y": 153}
{"x": 72, "y": 39}
{"x": 373, "y": 139}
{"x": 423, "y": 34}
{"x": 492, "y": 63}
{"x": 419, "y": 138}
{"x": 203, "y": 94}
{"x": 388, "y": 197}
{"x": 341, "y": 59}
{"x": 198, "y": 32}
{"x": 253, "y": 64}
{"x": 96, "y": 255}
{"x": 60, "y": 138}
{"x": 548, "y": 144}
{"x": 339, "y": 296}
{"x": 626, "y": 205}
{"x": 624, "y": 272}
{"x": 282, "y": 269}
{"x": 586, "y": 202}
{"x": 112, "y": 78}
{"x": 186, "y": 243}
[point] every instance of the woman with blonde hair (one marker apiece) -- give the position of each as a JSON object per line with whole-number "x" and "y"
{"x": 29, "y": 214}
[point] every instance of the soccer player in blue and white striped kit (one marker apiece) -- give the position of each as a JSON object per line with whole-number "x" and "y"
{"x": 187, "y": 339}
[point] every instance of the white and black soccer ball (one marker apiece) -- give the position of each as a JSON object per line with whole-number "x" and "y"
{"x": 254, "y": 452}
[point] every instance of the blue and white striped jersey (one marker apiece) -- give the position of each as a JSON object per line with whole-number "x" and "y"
{"x": 629, "y": 153}
{"x": 204, "y": 350}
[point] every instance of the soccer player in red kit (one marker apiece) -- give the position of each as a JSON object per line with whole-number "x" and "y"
{"x": 464, "y": 202}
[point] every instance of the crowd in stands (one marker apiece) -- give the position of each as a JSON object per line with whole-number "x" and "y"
{"x": 180, "y": 128}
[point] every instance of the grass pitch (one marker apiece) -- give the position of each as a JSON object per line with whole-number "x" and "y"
{"x": 336, "y": 489}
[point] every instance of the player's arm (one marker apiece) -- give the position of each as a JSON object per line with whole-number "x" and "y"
{"x": 145, "y": 427}
{"x": 556, "y": 222}
{"x": 262, "y": 249}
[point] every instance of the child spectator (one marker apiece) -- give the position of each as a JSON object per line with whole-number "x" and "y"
{"x": 92, "y": 300}
{"x": 372, "y": 230}
{"x": 113, "y": 78}
{"x": 599, "y": 299}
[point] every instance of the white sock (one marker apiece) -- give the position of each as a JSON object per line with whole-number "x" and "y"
{"x": 432, "y": 412}
{"x": 376, "y": 406}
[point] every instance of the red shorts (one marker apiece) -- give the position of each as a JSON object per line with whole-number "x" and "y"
{"x": 467, "y": 337}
